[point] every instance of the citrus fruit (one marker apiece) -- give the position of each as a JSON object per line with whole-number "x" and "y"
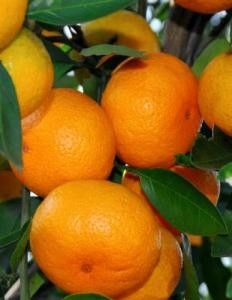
{"x": 95, "y": 236}
{"x": 73, "y": 139}
{"x": 11, "y": 20}
{"x": 30, "y": 68}
{"x": 215, "y": 86}
{"x": 152, "y": 104}
{"x": 165, "y": 276}
{"x": 10, "y": 187}
{"x": 125, "y": 28}
{"x": 205, "y": 6}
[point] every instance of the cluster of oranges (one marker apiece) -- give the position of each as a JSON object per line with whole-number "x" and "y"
{"x": 90, "y": 234}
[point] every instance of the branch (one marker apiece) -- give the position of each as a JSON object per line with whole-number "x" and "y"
{"x": 23, "y": 268}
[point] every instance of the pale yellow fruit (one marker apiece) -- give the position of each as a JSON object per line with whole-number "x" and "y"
{"x": 125, "y": 27}
{"x": 31, "y": 69}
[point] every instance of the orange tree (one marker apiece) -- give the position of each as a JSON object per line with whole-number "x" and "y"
{"x": 121, "y": 140}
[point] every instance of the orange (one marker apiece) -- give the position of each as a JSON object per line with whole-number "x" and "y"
{"x": 73, "y": 139}
{"x": 215, "y": 86}
{"x": 205, "y": 181}
{"x": 31, "y": 69}
{"x": 11, "y": 20}
{"x": 165, "y": 275}
{"x": 95, "y": 236}
{"x": 205, "y": 6}
{"x": 125, "y": 28}
{"x": 10, "y": 187}
{"x": 152, "y": 104}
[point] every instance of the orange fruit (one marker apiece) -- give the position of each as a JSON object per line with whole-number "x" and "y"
{"x": 165, "y": 276}
{"x": 11, "y": 20}
{"x": 72, "y": 139}
{"x": 30, "y": 67}
{"x": 10, "y": 187}
{"x": 205, "y": 181}
{"x": 205, "y": 6}
{"x": 125, "y": 27}
{"x": 215, "y": 86}
{"x": 152, "y": 104}
{"x": 95, "y": 236}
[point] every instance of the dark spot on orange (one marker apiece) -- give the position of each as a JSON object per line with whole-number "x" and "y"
{"x": 187, "y": 114}
{"x": 25, "y": 148}
{"x": 86, "y": 268}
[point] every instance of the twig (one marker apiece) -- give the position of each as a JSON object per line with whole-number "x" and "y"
{"x": 23, "y": 268}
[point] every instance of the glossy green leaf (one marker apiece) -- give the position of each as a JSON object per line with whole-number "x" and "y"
{"x": 36, "y": 282}
{"x": 10, "y": 123}
{"x": 225, "y": 172}
{"x": 20, "y": 248}
{"x": 180, "y": 202}
{"x": 86, "y": 297}
{"x": 64, "y": 12}
{"x": 13, "y": 237}
{"x": 212, "y": 153}
{"x": 106, "y": 49}
{"x": 217, "y": 46}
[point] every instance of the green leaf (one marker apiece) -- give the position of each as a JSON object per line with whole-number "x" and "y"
{"x": 212, "y": 153}
{"x": 222, "y": 246}
{"x": 10, "y": 123}
{"x": 215, "y": 48}
{"x": 225, "y": 172}
{"x": 61, "y": 61}
{"x": 36, "y": 281}
{"x": 180, "y": 202}
{"x": 106, "y": 49}
{"x": 190, "y": 276}
{"x": 86, "y": 297}
{"x": 60, "y": 69}
{"x": 214, "y": 274}
{"x": 184, "y": 160}
{"x": 64, "y": 12}
{"x": 20, "y": 248}
{"x": 229, "y": 289}
{"x": 13, "y": 237}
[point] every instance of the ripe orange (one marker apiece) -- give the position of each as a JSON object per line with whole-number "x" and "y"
{"x": 10, "y": 187}
{"x": 205, "y": 6}
{"x": 95, "y": 236}
{"x": 31, "y": 69}
{"x": 165, "y": 275}
{"x": 73, "y": 139}
{"x": 215, "y": 86}
{"x": 11, "y": 20}
{"x": 205, "y": 181}
{"x": 126, "y": 27}
{"x": 152, "y": 104}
